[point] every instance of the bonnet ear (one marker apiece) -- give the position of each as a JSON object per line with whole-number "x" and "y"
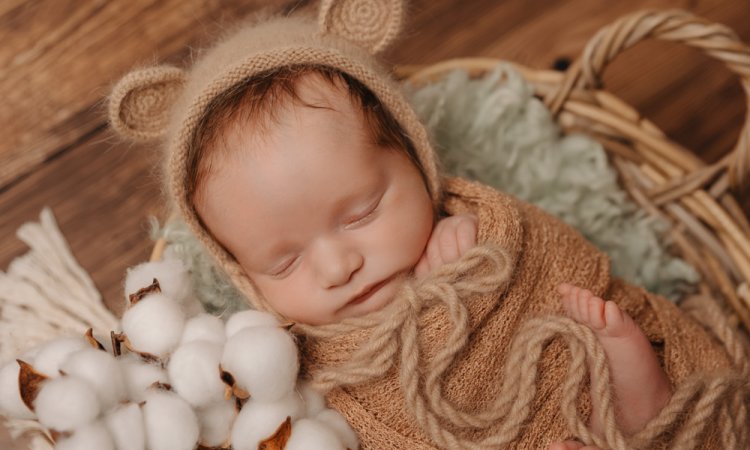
{"x": 373, "y": 24}
{"x": 140, "y": 102}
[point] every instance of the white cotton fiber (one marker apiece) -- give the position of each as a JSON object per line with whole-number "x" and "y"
{"x": 170, "y": 422}
{"x": 11, "y": 404}
{"x": 173, "y": 278}
{"x": 194, "y": 373}
{"x": 125, "y": 425}
{"x": 54, "y": 352}
{"x": 263, "y": 361}
{"x": 313, "y": 400}
{"x": 93, "y": 436}
{"x": 338, "y": 424}
{"x": 139, "y": 375}
{"x": 259, "y": 420}
{"x": 101, "y": 370}
{"x": 154, "y": 325}
{"x": 66, "y": 403}
{"x": 310, "y": 434}
{"x": 216, "y": 422}
{"x": 204, "y": 327}
{"x": 248, "y": 319}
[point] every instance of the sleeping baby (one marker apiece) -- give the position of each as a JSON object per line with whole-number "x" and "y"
{"x": 293, "y": 157}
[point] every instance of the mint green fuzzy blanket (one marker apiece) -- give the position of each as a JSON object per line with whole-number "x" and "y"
{"x": 495, "y": 131}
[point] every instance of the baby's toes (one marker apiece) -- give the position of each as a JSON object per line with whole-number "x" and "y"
{"x": 584, "y": 299}
{"x": 596, "y": 313}
{"x": 618, "y": 323}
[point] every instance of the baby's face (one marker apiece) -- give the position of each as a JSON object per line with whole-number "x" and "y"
{"x": 324, "y": 222}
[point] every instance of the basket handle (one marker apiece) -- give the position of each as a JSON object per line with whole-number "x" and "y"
{"x": 718, "y": 41}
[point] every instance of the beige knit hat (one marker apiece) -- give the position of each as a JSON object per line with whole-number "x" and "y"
{"x": 167, "y": 103}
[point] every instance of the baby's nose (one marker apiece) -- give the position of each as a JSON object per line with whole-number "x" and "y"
{"x": 336, "y": 262}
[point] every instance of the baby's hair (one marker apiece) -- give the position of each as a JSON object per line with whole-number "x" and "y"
{"x": 258, "y": 99}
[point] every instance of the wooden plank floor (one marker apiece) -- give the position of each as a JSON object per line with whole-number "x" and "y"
{"x": 60, "y": 57}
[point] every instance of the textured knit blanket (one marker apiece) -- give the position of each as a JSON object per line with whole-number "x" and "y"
{"x": 541, "y": 252}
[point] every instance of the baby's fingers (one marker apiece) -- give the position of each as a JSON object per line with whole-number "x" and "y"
{"x": 466, "y": 233}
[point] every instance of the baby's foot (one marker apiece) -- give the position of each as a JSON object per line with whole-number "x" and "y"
{"x": 641, "y": 388}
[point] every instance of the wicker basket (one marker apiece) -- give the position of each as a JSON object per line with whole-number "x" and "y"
{"x": 664, "y": 178}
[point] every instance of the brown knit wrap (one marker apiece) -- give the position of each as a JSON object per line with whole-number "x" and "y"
{"x": 533, "y": 253}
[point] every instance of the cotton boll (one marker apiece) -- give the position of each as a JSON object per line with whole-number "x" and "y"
{"x": 170, "y": 422}
{"x": 259, "y": 420}
{"x": 101, "y": 371}
{"x": 66, "y": 403}
{"x": 125, "y": 424}
{"x": 216, "y": 422}
{"x": 11, "y": 404}
{"x": 313, "y": 400}
{"x": 139, "y": 376}
{"x": 204, "y": 327}
{"x": 91, "y": 436}
{"x": 194, "y": 373}
{"x": 248, "y": 319}
{"x": 263, "y": 361}
{"x": 310, "y": 434}
{"x": 173, "y": 278}
{"x": 338, "y": 424}
{"x": 154, "y": 324}
{"x": 53, "y": 353}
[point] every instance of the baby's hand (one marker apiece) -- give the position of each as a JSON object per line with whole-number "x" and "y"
{"x": 450, "y": 239}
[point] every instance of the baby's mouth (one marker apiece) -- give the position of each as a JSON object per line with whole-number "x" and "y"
{"x": 368, "y": 292}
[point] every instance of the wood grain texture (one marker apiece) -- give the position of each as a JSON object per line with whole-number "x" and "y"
{"x": 59, "y": 58}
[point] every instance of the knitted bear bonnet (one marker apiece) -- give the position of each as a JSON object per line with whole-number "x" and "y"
{"x": 167, "y": 103}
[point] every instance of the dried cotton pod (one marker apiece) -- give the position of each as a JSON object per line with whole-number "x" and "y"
{"x": 216, "y": 422}
{"x": 88, "y": 437}
{"x": 171, "y": 273}
{"x": 171, "y": 424}
{"x": 338, "y": 424}
{"x": 126, "y": 426}
{"x": 101, "y": 371}
{"x": 11, "y": 404}
{"x": 313, "y": 400}
{"x": 66, "y": 403}
{"x": 54, "y": 352}
{"x": 263, "y": 361}
{"x": 139, "y": 376}
{"x": 310, "y": 434}
{"x": 248, "y": 319}
{"x": 194, "y": 373}
{"x": 259, "y": 420}
{"x": 204, "y": 327}
{"x": 154, "y": 325}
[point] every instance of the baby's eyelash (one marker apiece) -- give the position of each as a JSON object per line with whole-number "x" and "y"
{"x": 285, "y": 268}
{"x": 364, "y": 215}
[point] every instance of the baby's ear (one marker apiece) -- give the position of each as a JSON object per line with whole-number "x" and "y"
{"x": 373, "y": 24}
{"x": 140, "y": 102}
